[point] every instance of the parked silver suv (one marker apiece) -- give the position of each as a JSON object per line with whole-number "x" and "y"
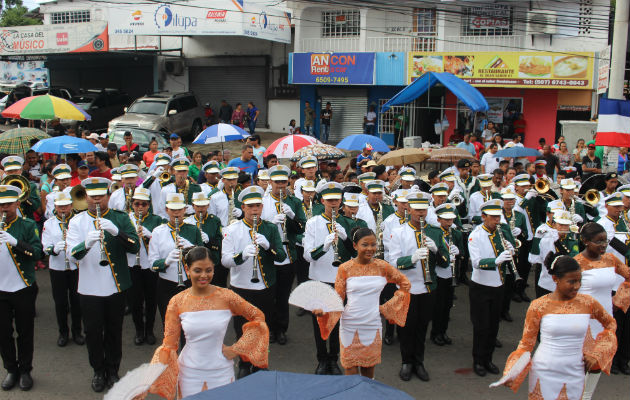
{"x": 167, "y": 112}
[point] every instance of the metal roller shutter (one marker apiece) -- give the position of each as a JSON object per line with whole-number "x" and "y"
{"x": 235, "y": 84}
{"x": 348, "y": 115}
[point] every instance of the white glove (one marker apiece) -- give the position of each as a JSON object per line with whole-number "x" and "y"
{"x": 237, "y": 212}
{"x": 156, "y": 172}
{"x": 59, "y": 247}
{"x": 453, "y": 251}
{"x": 328, "y": 241}
{"x": 173, "y": 256}
{"x": 430, "y": 244}
{"x": 278, "y": 219}
{"x": 516, "y": 231}
{"x": 146, "y": 233}
{"x": 92, "y": 238}
{"x": 509, "y": 247}
{"x": 554, "y": 235}
{"x": 190, "y": 210}
{"x": 577, "y": 219}
{"x": 341, "y": 232}
{"x": 185, "y": 243}
{"x": 109, "y": 226}
{"x": 420, "y": 254}
{"x": 249, "y": 251}
{"x": 531, "y": 193}
{"x": 503, "y": 257}
{"x": 288, "y": 211}
{"x": 262, "y": 241}
{"x": 204, "y": 237}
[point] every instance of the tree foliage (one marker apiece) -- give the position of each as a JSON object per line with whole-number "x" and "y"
{"x": 15, "y": 14}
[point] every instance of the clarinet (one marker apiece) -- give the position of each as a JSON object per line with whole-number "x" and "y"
{"x": 452, "y": 259}
{"x": 139, "y": 229}
{"x": 180, "y": 264}
{"x": 64, "y": 229}
{"x": 231, "y": 206}
{"x": 333, "y": 219}
{"x": 380, "y": 248}
{"x": 104, "y": 261}
{"x": 283, "y": 226}
{"x": 511, "y": 267}
{"x": 256, "y": 266}
{"x": 425, "y": 271}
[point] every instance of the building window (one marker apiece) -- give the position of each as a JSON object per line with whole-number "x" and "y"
{"x": 341, "y": 23}
{"x": 487, "y": 20}
{"x": 424, "y": 26}
{"x": 70, "y": 17}
{"x": 586, "y": 15}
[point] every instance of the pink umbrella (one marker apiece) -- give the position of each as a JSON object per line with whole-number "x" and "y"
{"x": 287, "y": 145}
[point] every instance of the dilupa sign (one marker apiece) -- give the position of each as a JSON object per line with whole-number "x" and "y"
{"x": 333, "y": 68}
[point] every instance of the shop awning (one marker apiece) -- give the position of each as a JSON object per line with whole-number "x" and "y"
{"x": 460, "y": 88}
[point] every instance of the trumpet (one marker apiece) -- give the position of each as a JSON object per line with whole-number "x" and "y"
{"x": 256, "y": 266}
{"x": 180, "y": 263}
{"x": 333, "y": 220}
{"x": 64, "y": 229}
{"x": 283, "y": 226}
{"x": 164, "y": 177}
{"x": 511, "y": 269}
{"x": 425, "y": 270}
{"x": 140, "y": 235}
{"x": 104, "y": 261}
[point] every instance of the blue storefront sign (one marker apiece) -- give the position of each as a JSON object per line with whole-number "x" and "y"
{"x": 332, "y": 68}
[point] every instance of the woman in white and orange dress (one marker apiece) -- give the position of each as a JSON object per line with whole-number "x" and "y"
{"x": 556, "y": 371}
{"x": 360, "y": 282}
{"x": 203, "y": 312}
{"x": 600, "y": 272}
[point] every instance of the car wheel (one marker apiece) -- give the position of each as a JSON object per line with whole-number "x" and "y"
{"x": 195, "y": 130}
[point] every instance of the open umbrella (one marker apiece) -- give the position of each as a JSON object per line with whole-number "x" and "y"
{"x": 220, "y": 133}
{"x": 64, "y": 145}
{"x": 357, "y": 143}
{"x": 321, "y": 151}
{"x": 517, "y": 151}
{"x": 275, "y": 385}
{"x": 286, "y": 146}
{"x": 46, "y": 107}
{"x": 18, "y": 141}
{"x": 449, "y": 154}
{"x": 406, "y": 156}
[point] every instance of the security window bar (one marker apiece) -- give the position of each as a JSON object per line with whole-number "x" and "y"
{"x": 586, "y": 14}
{"x": 341, "y": 23}
{"x": 487, "y": 20}
{"x": 425, "y": 28}
{"x": 387, "y": 120}
{"x": 70, "y": 17}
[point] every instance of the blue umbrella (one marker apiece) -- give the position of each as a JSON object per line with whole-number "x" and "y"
{"x": 64, "y": 145}
{"x": 517, "y": 151}
{"x": 220, "y": 133}
{"x": 358, "y": 142}
{"x": 275, "y": 385}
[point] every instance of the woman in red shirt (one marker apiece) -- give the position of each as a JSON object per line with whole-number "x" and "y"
{"x": 103, "y": 166}
{"x": 478, "y": 146}
{"x": 150, "y": 155}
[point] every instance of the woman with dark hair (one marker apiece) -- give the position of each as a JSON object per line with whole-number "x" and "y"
{"x": 238, "y": 116}
{"x": 566, "y": 350}
{"x": 203, "y": 312}
{"x": 103, "y": 166}
{"x": 361, "y": 281}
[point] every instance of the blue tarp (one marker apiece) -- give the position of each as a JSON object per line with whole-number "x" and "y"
{"x": 463, "y": 90}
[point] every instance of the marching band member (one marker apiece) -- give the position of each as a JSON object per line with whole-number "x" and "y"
{"x": 250, "y": 252}
{"x": 212, "y": 172}
{"x": 182, "y": 184}
{"x": 453, "y": 238}
{"x": 373, "y": 209}
{"x": 262, "y": 180}
{"x": 615, "y": 227}
{"x": 143, "y": 278}
{"x": 12, "y": 165}
{"x": 210, "y": 229}
{"x": 63, "y": 175}
{"x": 480, "y": 197}
{"x": 19, "y": 251}
{"x": 154, "y": 183}
{"x": 310, "y": 209}
{"x": 612, "y": 182}
{"x": 121, "y": 199}
{"x": 308, "y": 165}
{"x": 527, "y": 204}
{"x": 466, "y": 184}
{"x": 64, "y": 276}
{"x": 363, "y": 179}
{"x": 490, "y": 252}
{"x": 96, "y": 236}
{"x": 322, "y": 239}
{"x": 541, "y": 171}
{"x": 568, "y": 202}
{"x": 220, "y": 200}
{"x": 448, "y": 177}
{"x": 407, "y": 177}
{"x": 346, "y": 218}
{"x": 620, "y": 362}
{"x": 165, "y": 250}
{"x": 416, "y": 248}
{"x": 439, "y": 195}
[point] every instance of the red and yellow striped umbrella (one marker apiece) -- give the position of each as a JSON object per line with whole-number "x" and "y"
{"x": 46, "y": 107}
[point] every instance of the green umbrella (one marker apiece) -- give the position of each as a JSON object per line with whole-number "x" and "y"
{"x": 18, "y": 141}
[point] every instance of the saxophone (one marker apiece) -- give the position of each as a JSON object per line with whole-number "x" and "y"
{"x": 231, "y": 218}
{"x": 380, "y": 248}
{"x": 425, "y": 271}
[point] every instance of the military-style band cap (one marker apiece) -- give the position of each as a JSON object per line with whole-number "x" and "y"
{"x": 367, "y": 176}
{"x": 211, "y": 167}
{"x": 418, "y": 201}
{"x": 9, "y": 193}
{"x": 128, "y": 171}
{"x": 568, "y": 184}
{"x": 508, "y": 193}
{"x": 521, "y": 180}
{"x": 308, "y": 186}
{"x": 540, "y": 163}
{"x": 625, "y": 190}
{"x": 96, "y": 186}
{"x": 330, "y": 190}
{"x": 446, "y": 211}
{"x": 230, "y": 173}
{"x": 615, "y": 199}
{"x": 447, "y": 176}
{"x": 400, "y": 195}
{"x": 263, "y": 175}
{"x": 63, "y": 198}
{"x": 562, "y": 217}
{"x": 375, "y": 186}
{"x": 407, "y": 174}
{"x": 492, "y": 207}
{"x": 10, "y": 163}
{"x": 175, "y": 201}
{"x": 161, "y": 159}
{"x": 116, "y": 175}
{"x": 463, "y": 163}
{"x": 611, "y": 175}
{"x": 141, "y": 193}
{"x": 62, "y": 171}
{"x": 200, "y": 199}
{"x": 251, "y": 195}
{"x": 351, "y": 199}
{"x": 180, "y": 164}
{"x": 279, "y": 173}
{"x": 485, "y": 180}
{"x": 439, "y": 189}
{"x": 307, "y": 162}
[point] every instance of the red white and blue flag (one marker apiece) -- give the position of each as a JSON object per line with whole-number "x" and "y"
{"x": 613, "y": 125}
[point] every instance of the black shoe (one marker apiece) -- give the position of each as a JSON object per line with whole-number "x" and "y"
{"x": 112, "y": 378}
{"x": 322, "y": 368}
{"x": 300, "y": 312}
{"x": 78, "y": 338}
{"x": 479, "y": 369}
{"x": 506, "y": 316}
{"x": 614, "y": 369}
{"x": 525, "y": 297}
{"x": 498, "y": 344}
{"x": 272, "y": 337}
{"x": 98, "y": 382}
{"x": 62, "y": 341}
{"x": 422, "y": 373}
{"x": 10, "y": 380}
{"x": 150, "y": 339}
{"x": 446, "y": 339}
{"x": 138, "y": 339}
{"x": 243, "y": 371}
{"x": 26, "y": 382}
{"x": 490, "y": 367}
{"x": 517, "y": 298}
{"x": 333, "y": 368}
{"x": 281, "y": 338}
{"x": 437, "y": 340}
{"x": 388, "y": 339}
{"x": 405, "y": 372}
{"x": 624, "y": 368}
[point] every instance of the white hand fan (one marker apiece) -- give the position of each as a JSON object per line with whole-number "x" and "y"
{"x": 313, "y": 295}
{"x": 515, "y": 371}
{"x": 135, "y": 382}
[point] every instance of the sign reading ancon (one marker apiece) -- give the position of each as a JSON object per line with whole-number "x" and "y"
{"x": 333, "y": 68}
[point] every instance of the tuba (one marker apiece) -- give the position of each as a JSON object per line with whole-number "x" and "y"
{"x": 19, "y": 182}
{"x": 592, "y": 197}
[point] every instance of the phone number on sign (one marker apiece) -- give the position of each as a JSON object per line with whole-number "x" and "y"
{"x": 331, "y": 79}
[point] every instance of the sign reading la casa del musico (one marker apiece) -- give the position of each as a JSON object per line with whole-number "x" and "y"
{"x": 332, "y": 68}
{"x": 508, "y": 69}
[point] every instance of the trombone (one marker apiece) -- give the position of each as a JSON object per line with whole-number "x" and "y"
{"x": 543, "y": 188}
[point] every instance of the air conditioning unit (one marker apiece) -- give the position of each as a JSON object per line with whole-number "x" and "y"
{"x": 174, "y": 67}
{"x": 542, "y": 22}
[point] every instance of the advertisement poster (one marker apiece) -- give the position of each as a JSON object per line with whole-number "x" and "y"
{"x": 333, "y": 68}
{"x": 508, "y": 69}
{"x": 22, "y": 70}
{"x": 87, "y": 37}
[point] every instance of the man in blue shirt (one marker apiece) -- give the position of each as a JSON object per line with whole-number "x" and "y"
{"x": 252, "y": 113}
{"x": 246, "y": 162}
{"x": 467, "y": 145}
{"x": 364, "y": 157}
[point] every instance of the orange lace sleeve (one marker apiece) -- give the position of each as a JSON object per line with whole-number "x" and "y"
{"x": 604, "y": 347}
{"x": 395, "y": 310}
{"x": 166, "y": 384}
{"x": 340, "y": 280}
{"x": 621, "y": 299}
{"x": 253, "y": 346}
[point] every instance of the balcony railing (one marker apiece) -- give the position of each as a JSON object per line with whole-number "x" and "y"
{"x": 483, "y": 43}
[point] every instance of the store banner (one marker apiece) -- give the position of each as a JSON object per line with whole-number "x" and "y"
{"x": 333, "y": 68}
{"x": 86, "y": 37}
{"x": 508, "y": 69}
{"x": 603, "y": 70}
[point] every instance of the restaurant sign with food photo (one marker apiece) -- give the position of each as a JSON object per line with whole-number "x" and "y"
{"x": 508, "y": 69}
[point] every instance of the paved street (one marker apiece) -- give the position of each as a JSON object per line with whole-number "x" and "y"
{"x": 64, "y": 373}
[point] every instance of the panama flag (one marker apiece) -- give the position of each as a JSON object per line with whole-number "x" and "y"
{"x": 613, "y": 126}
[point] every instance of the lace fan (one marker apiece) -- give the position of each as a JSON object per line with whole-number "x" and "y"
{"x": 313, "y": 295}
{"x": 515, "y": 371}
{"x": 135, "y": 382}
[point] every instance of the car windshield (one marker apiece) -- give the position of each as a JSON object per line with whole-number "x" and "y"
{"x": 147, "y": 107}
{"x": 83, "y": 101}
{"x": 142, "y": 137}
